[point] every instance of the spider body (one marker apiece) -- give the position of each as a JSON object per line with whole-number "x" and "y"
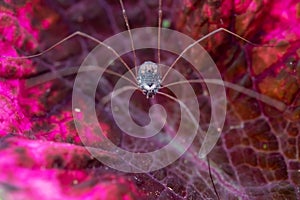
{"x": 148, "y": 78}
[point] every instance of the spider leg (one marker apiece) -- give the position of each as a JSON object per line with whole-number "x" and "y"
{"x": 130, "y": 35}
{"x": 159, "y": 30}
{"x": 207, "y": 36}
{"x": 194, "y": 121}
{"x": 197, "y": 125}
{"x": 266, "y": 99}
{"x": 69, "y": 71}
{"x": 77, "y": 33}
{"x": 107, "y": 98}
{"x": 210, "y": 175}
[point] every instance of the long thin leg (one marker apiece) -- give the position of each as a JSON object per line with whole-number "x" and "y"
{"x": 130, "y": 35}
{"x": 266, "y": 99}
{"x": 207, "y": 36}
{"x": 126, "y": 88}
{"x": 69, "y": 37}
{"x": 183, "y": 105}
{"x": 159, "y": 29}
{"x": 106, "y": 99}
{"x": 209, "y": 170}
{"x": 69, "y": 71}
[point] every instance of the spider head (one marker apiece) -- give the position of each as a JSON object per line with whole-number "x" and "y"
{"x": 148, "y": 78}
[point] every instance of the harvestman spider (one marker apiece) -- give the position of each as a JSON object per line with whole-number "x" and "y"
{"x": 147, "y": 78}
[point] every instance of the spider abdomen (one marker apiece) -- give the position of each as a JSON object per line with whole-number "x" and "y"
{"x": 148, "y": 78}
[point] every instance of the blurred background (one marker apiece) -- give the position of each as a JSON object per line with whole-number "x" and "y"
{"x": 258, "y": 154}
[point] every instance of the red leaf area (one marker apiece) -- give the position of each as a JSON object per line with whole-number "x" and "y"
{"x": 42, "y": 157}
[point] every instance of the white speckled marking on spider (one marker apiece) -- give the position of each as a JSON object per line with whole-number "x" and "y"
{"x": 148, "y": 78}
